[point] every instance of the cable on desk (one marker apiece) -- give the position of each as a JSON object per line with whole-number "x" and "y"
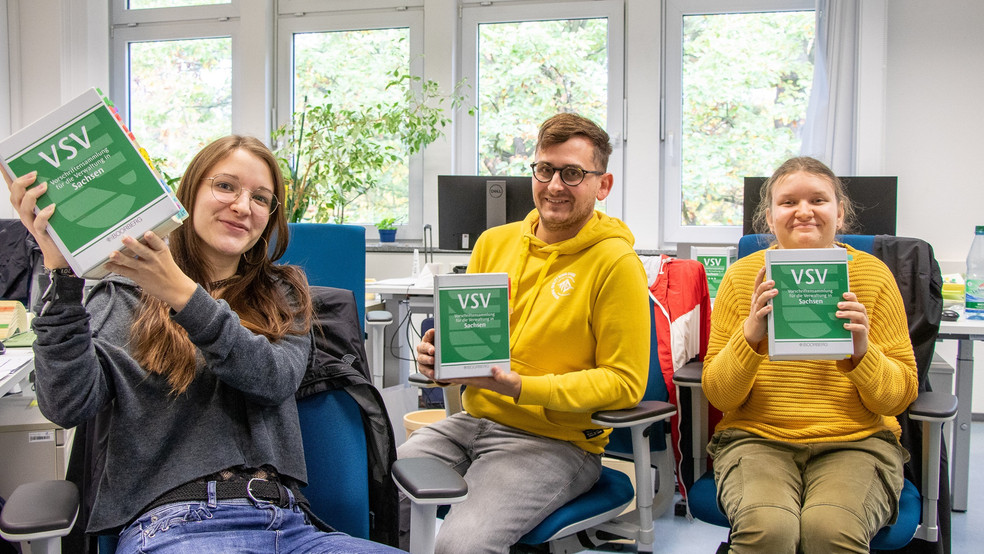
{"x": 394, "y": 348}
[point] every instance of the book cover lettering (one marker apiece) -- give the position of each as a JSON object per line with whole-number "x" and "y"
{"x": 803, "y": 324}
{"x": 98, "y": 179}
{"x": 71, "y": 161}
{"x": 471, "y": 325}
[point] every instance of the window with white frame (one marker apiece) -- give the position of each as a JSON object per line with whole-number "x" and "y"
{"x": 173, "y": 74}
{"x": 737, "y": 83}
{"x": 4, "y": 70}
{"x": 347, "y": 61}
{"x": 525, "y": 63}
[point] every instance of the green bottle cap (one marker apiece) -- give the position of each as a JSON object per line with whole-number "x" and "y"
{"x": 979, "y": 230}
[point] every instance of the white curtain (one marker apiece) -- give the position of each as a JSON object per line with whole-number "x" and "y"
{"x": 830, "y": 130}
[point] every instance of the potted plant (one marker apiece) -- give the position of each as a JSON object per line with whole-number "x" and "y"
{"x": 387, "y": 229}
{"x": 332, "y": 155}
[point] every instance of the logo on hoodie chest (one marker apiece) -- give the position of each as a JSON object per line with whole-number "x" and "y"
{"x": 563, "y": 285}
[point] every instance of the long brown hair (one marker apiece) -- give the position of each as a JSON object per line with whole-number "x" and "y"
{"x": 806, "y": 165}
{"x": 256, "y": 293}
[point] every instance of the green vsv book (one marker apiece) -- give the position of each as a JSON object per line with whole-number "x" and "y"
{"x": 803, "y": 324}
{"x": 101, "y": 181}
{"x": 471, "y": 324}
{"x": 716, "y": 261}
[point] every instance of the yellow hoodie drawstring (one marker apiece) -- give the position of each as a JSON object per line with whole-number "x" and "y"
{"x": 536, "y": 292}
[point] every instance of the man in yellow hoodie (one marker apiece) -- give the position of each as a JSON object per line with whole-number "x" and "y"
{"x": 579, "y": 343}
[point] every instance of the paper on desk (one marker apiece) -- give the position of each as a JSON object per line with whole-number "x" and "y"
{"x": 11, "y": 362}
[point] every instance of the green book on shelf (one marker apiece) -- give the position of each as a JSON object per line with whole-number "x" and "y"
{"x": 803, "y": 324}
{"x": 471, "y": 324}
{"x": 102, "y": 183}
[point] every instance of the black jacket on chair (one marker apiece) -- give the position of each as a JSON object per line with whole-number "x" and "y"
{"x": 912, "y": 263}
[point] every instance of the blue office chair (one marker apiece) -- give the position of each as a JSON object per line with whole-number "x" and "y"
{"x": 332, "y": 256}
{"x": 918, "y": 512}
{"x": 596, "y": 516}
{"x": 348, "y": 440}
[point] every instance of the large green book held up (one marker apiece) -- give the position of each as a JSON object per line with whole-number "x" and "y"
{"x": 803, "y": 324}
{"x": 471, "y": 324}
{"x": 102, "y": 183}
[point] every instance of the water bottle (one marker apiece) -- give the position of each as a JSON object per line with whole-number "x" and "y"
{"x": 974, "y": 291}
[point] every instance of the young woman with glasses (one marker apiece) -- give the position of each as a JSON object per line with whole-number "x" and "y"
{"x": 190, "y": 356}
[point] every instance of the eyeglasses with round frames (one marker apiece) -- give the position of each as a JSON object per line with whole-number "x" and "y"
{"x": 571, "y": 175}
{"x": 227, "y": 189}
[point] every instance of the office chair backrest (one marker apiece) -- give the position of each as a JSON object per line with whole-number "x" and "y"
{"x": 755, "y": 242}
{"x": 349, "y": 444}
{"x": 331, "y": 256}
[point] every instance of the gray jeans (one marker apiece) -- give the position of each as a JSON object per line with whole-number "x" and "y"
{"x": 515, "y": 479}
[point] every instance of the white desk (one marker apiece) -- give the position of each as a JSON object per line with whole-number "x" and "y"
{"x": 404, "y": 299}
{"x": 15, "y": 367}
{"x": 965, "y": 332}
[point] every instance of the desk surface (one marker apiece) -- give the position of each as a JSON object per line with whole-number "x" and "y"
{"x": 962, "y": 328}
{"x": 15, "y": 366}
{"x": 407, "y": 286}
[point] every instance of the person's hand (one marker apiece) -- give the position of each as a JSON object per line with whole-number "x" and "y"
{"x": 506, "y": 383}
{"x": 425, "y": 354}
{"x": 756, "y": 324}
{"x": 502, "y": 382}
{"x": 857, "y": 323}
{"x": 150, "y": 265}
{"x": 24, "y": 201}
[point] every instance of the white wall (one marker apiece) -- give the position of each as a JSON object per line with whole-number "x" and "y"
{"x": 935, "y": 75}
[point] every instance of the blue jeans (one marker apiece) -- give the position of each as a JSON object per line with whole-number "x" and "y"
{"x": 235, "y": 526}
{"x": 515, "y": 479}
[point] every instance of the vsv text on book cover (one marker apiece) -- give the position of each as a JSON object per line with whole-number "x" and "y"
{"x": 101, "y": 182}
{"x": 803, "y": 324}
{"x": 471, "y": 324}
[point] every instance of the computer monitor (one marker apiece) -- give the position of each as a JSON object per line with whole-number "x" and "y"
{"x": 470, "y": 204}
{"x": 875, "y": 203}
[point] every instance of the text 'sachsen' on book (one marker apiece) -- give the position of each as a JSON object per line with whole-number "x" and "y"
{"x": 102, "y": 183}
{"x": 803, "y": 324}
{"x": 471, "y": 324}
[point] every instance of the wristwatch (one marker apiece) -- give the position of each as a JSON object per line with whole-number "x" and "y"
{"x": 60, "y": 271}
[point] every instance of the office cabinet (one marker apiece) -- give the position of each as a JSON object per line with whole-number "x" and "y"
{"x": 31, "y": 447}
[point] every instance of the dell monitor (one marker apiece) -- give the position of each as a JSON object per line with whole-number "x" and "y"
{"x": 875, "y": 203}
{"x": 467, "y": 205}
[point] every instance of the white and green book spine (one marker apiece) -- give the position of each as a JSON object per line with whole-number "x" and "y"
{"x": 716, "y": 260}
{"x": 803, "y": 324}
{"x": 471, "y": 324}
{"x": 102, "y": 183}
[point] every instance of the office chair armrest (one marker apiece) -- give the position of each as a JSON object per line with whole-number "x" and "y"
{"x": 421, "y": 380}
{"x": 40, "y": 510}
{"x": 647, "y": 412}
{"x": 379, "y": 317}
{"x": 689, "y": 374}
{"x": 429, "y": 481}
{"x": 933, "y": 406}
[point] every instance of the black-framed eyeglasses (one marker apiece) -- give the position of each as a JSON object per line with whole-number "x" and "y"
{"x": 571, "y": 175}
{"x": 227, "y": 189}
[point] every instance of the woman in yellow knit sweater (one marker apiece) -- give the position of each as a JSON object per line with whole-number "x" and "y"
{"x": 806, "y": 457}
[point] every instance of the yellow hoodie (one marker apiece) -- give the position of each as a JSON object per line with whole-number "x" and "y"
{"x": 579, "y": 328}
